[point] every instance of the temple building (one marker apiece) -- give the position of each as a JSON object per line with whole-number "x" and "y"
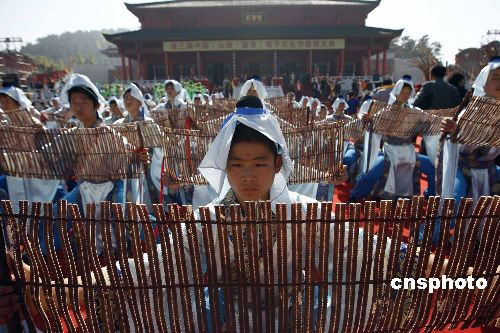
{"x": 225, "y": 39}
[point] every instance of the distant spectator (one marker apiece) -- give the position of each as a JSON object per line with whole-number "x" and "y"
{"x": 384, "y": 92}
{"x": 353, "y": 102}
{"x": 458, "y": 81}
{"x": 437, "y": 94}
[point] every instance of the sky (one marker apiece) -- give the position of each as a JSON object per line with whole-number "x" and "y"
{"x": 456, "y": 24}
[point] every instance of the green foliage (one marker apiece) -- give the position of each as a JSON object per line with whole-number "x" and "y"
{"x": 193, "y": 88}
{"x": 69, "y": 48}
{"x": 407, "y": 47}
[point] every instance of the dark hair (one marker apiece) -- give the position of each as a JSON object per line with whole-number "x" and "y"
{"x": 387, "y": 82}
{"x": 407, "y": 85}
{"x": 86, "y": 91}
{"x": 17, "y": 103}
{"x": 249, "y": 102}
{"x": 438, "y": 71}
{"x": 455, "y": 78}
{"x": 113, "y": 102}
{"x": 170, "y": 83}
{"x": 243, "y": 133}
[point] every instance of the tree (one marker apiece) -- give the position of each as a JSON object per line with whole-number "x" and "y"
{"x": 423, "y": 52}
{"x": 78, "y": 47}
{"x": 470, "y": 61}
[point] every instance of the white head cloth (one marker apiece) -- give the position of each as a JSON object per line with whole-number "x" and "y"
{"x": 364, "y": 107}
{"x": 483, "y": 77}
{"x": 208, "y": 97}
{"x": 180, "y": 92}
{"x": 137, "y": 94}
{"x": 318, "y": 105}
{"x": 114, "y": 99}
{"x": 302, "y": 99}
{"x": 399, "y": 87}
{"x": 200, "y": 96}
{"x": 17, "y": 95}
{"x": 338, "y": 101}
{"x": 80, "y": 80}
{"x": 213, "y": 166}
{"x": 257, "y": 85}
{"x": 55, "y": 98}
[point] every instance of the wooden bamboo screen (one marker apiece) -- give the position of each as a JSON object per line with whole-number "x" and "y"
{"x": 480, "y": 123}
{"x": 393, "y": 120}
{"x": 284, "y": 271}
{"x": 316, "y": 151}
{"x": 97, "y": 154}
{"x": 20, "y": 117}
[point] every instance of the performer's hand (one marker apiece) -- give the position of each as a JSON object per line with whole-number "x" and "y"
{"x": 167, "y": 181}
{"x": 365, "y": 117}
{"x": 448, "y": 125}
{"x": 9, "y": 303}
{"x": 337, "y": 180}
{"x": 144, "y": 156}
{"x": 44, "y": 118}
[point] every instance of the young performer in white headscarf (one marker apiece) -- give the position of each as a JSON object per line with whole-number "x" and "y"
{"x": 291, "y": 101}
{"x": 254, "y": 87}
{"x": 137, "y": 110}
{"x": 339, "y": 107}
{"x": 175, "y": 98}
{"x": 115, "y": 110}
{"x": 468, "y": 170}
{"x": 30, "y": 189}
{"x": 397, "y": 172}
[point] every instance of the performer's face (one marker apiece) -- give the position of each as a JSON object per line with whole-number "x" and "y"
{"x": 113, "y": 107}
{"x": 197, "y": 101}
{"x": 405, "y": 94}
{"x": 131, "y": 104}
{"x": 82, "y": 106}
{"x": 340, "y": 108}
{"x": 251, "y": 168}
{"x": 170, "y": 90}
{"x": 8, "y": 103}
{"x": 252, "y": 92}
{"x": 56, "y": 104}
{"x": 492, "y": 86}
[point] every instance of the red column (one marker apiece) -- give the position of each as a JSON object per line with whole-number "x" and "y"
{"x": 377, "y": 63}
{"x": 310, "y": 62}
{"x": 198, "y": 62}
{"x": 369, "y": 62}
{"x": 139, "y": 65}
{"x": 130, "y": 76}
{"x": 124, "y": 68}
{"x": 165, "y": 61}
{"x": 384, "y": 68}
{"x": 341, "y": 62}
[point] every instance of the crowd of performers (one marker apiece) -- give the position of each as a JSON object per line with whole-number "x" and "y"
{"x": 249, "y": 158}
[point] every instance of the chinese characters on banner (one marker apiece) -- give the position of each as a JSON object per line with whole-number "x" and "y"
{"x": 254, "y": 45}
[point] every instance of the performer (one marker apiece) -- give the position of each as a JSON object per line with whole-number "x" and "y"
{"x": 175, "y": 98}
{"x": 254, "y": 87}
{"x": 398, "y": 161}
{"x": 292, "y": 103}
{"x": 134, "y": 103}
{"x": 350, "y": 154}
{"x": 115, "y": 110}
{"x": 469, "y": 170}
{"x": 338, "y": 110}
{"x": 13, "y": 99}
